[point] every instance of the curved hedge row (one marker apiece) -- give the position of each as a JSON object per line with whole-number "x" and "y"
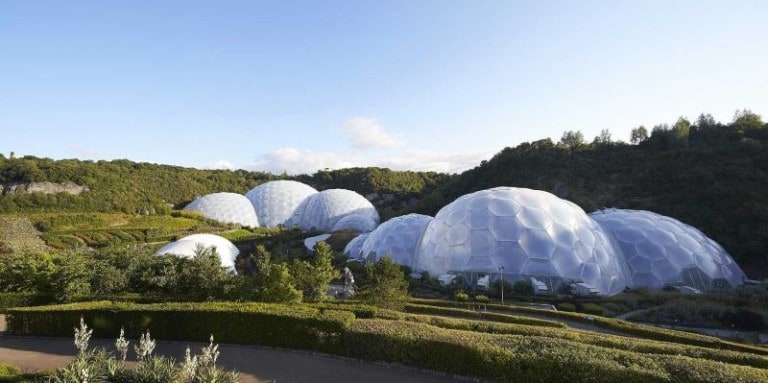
{"x": 643, "y": 331}
{"x": 515, "y": 358}
{"x": 293, "y": 326}
{"x": 644, "y": 346}
{"x": 496, "y": 317}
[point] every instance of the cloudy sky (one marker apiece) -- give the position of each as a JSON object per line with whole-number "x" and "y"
{"x": 297, "y": 86}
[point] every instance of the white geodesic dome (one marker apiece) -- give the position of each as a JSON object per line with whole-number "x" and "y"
{"x": 530, "y": 233}
{"x": 277, "y": 202}
{"x": 361, "y": 223}
{"x": 324, "y": 209}
{"x": 661, "y": 251}
{"x": 354, "y": 248}
{"x": 398, "y": 238}
{"x": 226, "y": 208}
{"x": 187, "y": 247}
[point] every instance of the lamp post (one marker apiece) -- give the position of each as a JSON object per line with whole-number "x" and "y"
{"x": 501, "y": 278}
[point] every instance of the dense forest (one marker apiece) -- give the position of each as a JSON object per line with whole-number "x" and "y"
{"x": 711, "y": 175}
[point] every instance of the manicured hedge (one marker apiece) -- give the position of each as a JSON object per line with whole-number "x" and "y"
{"x": 629, "y": 328}
{"x": 496, "y": 317}
{"x": 514, "y": 358}
{"x": 293, "y": 326}
{"x": 587, "y": 337}
{"x": 360, "y": 310}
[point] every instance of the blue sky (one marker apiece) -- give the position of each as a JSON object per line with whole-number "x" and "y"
{"x": 303, "y": 85}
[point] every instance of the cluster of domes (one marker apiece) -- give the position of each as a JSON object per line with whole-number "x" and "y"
{"x": 290, "y": 204}
{"x": 525, "y": 234}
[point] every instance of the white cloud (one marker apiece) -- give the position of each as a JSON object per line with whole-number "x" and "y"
{"x": 366, "y": 133}
{"x": 297, "y": 161}
{"x": 222, "y": 165}
{"x": 424, "y": 160}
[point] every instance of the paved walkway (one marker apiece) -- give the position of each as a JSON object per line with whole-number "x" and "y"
{"x": 255, "y": 363}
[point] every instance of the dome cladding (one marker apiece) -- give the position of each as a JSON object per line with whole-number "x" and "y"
{"x": 397, "y": 238}
{"x": 527, "y": 233}
{"x": 356, "y": 222}
{"x": 326, "y": 208}
{"x": 188, "y": 247}
{"x": 225, "y": 207}
{"x": 354, "y": 248}
{"x": 661, "y": 250}
{"x": 278, "y": 202}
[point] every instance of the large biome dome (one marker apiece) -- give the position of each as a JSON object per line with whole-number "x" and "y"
{"x": 398, "y": 238}
{"x": 277, "y": 202}
{"x": 528, "y": 233}
{"x": 661, "y": 251}
{"x": 354, "y": 248}
{"x": 188, "y": 246}
{"x": 326, "y": 208}
{"x": 225, "y": 207}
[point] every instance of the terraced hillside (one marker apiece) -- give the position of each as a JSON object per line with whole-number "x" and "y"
{"x": 18, "y": 234}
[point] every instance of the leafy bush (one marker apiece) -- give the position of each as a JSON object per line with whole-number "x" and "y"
{"x": 384, "y": 285}
{"x": 481, "y": 299}
{"x": 7, "y": 370}
{"x": 293, "y": 326}
{"x": 461, "y": 296}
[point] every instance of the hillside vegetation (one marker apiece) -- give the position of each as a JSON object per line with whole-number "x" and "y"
{"x": 711, "y": 176}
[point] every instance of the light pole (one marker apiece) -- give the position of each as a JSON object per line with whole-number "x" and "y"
{"x": 501, "y": 278}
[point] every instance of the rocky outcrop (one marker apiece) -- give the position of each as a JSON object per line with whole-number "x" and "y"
{"x": 44, "y": 187}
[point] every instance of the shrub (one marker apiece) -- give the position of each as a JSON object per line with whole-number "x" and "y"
{"x": 481, "y": 299}
{"x": 565, "y": 306}
{"x": 461, "y": 313}
{"x": 461, "y": 296}
{"x": 7, "y": 370}
{"x": 384, "y": 285}
{"x": 292, "y": 326}
{"x": 592, "y": 308}
{"x": 523, "y": 287}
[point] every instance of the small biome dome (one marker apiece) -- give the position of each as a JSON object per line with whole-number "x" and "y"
{"x": 310, "y": 242}
{"x": 326, "y": 208}
{"x": 277, "y": 202}
{"x": 357, "y": 222}
{"x": 188, "y": 247}
{"x": 225, "y": 208}
{"x": 663, "y": 251}
{"x": 398, "y": 238}
{"x": 354, "y": 248}
{"x": 520, "y": 233}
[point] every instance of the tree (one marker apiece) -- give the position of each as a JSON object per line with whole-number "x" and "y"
{"x": 604, "y": 138}
{"x": 384, "y": 285}
{"x": 745, "y": 120}
{"x": 313, "y": 278}
{"x": 202, "y": 277}
{"x": 267, "y": 282}
{"x": 572, "y": 139}
{"x": 638, "y": 135}
{"x": 680, "y": 132}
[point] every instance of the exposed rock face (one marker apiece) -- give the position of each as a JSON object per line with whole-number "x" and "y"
{"x": 44, "y": 187}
